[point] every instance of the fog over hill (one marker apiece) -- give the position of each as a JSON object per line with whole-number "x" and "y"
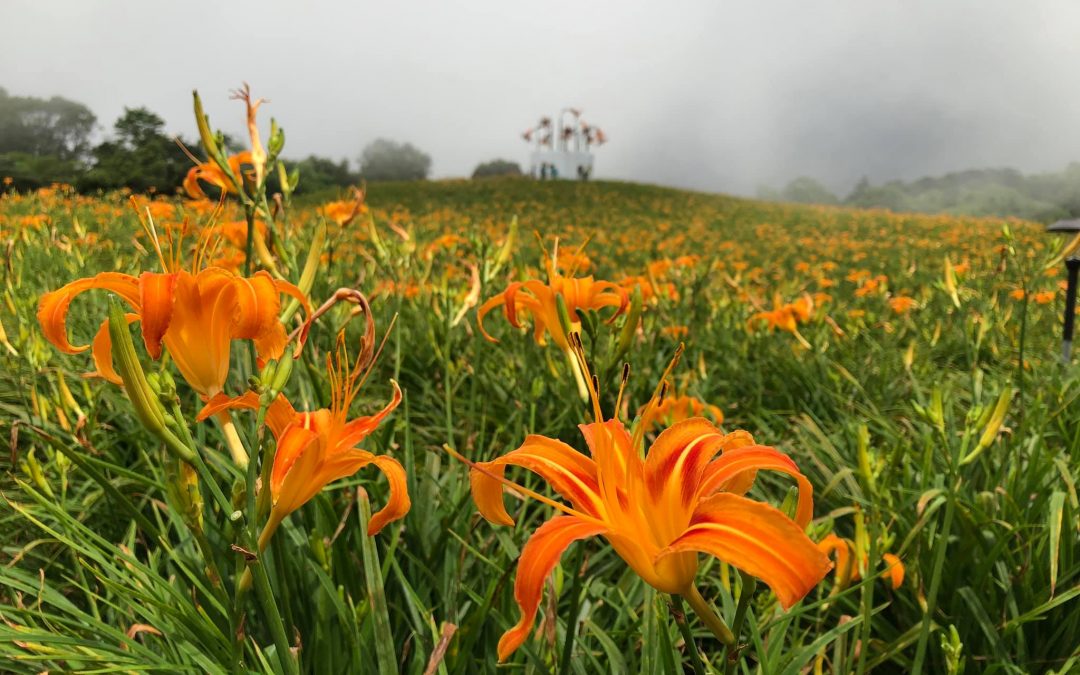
{"x": 715, "y": 96}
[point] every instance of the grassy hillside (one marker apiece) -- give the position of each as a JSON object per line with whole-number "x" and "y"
{"x": 907, "y": 364}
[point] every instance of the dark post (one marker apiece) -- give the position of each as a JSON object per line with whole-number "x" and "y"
{"x": 1073, "y": 266}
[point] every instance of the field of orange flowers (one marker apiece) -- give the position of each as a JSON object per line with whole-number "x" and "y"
{"x": 474, "y": 426}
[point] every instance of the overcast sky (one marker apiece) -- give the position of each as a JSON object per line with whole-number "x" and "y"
{"x": 718, "y": 96}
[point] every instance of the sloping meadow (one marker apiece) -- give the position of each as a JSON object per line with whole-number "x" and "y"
{"x": 908, "y": 365}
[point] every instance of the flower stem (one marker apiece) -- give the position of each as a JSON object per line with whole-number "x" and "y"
{"x": 746, "y": 594}
{"x": 575, "y": 367}
{"x": 679, "y": 614}
{"x": 709, "y": 617}
{"x": 232, "y": 439}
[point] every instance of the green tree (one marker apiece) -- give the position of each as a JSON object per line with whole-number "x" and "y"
{"x": 806, "y": 190}
{"x": 320, "y": 173}
{"x": 497, "y": 167}
{"x": 389, "y": 160}
{"x": 55, "y": 127}
{"x": 139, "y": 156}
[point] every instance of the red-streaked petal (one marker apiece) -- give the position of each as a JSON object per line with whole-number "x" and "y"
{"x": 156, "y": 301}
{"x": 570, "y": 473}
{"x": 358, "y": 429}
{"x": 731, "y": 469}
{"x": 676, "y": 460}
{"x": 52, "y": 310}
{"x": 399, "y": 503}
{"x": 758, "y": 539}
{"x": 538, "y": 558}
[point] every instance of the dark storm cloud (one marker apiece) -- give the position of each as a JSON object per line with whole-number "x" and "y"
{"x": 711, "y": 95}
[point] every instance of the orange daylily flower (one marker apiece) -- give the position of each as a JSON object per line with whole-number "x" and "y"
{"x": 902, "y": 304}
{"x": 847, "y": 572}
{"x": 344, "y": 211}
{"x": 539, "y": 300}
{"x": 210, "y": 172}
{"x": 786, "y": 316}
{"x": 316, "y": 448}
{"x": 658, "y": 512}
{"x": 673, "y": 409}
{"x": 195, "y": 315}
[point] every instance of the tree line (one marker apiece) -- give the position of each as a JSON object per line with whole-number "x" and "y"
{"x": 1042, "y": 197}
{"x": 46, "y": 141}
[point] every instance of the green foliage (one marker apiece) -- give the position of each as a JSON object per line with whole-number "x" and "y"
{"x": 38, "y": 127}
{"x": 320, "y": 173}
{"x": 140, "y": 156}
{"x": 29, "y": 172}
{"x": 384, "y": 159}
{"x": 497, "y": 167}
{"x": 986, "y": 192}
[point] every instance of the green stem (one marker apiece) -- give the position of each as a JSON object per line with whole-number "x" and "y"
{"x": 277, "y": 625}
{"x": 232, "y": 440}
{"x": 935, "y": 582}
{"x": 679, "y": 614}
{"x": 746, "y": 594}
{"x": 572, "y": 617}
{"x": 709, "y": 617}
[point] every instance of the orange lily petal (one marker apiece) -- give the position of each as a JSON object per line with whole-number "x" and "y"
{"x": 399, "y": 503}
{"x": 294, "y": 442}
{"x": 355, "y": 431}
{"x": 730, "y": 468}
{"x": 570, "y": 473}
{"x": 676, "y": 460}
{"x": 758, "y": 539}
{"x": 844, "y": 550}
{"x": 52, "y": 310}
{"x": 279, "y": 415}
{"x": 258, "y": 306}
{"x": 102, "y": 351}
{"x": 895, "y": 569}
{"x": 538, "y": 558}
{"x": 156, "y": 302}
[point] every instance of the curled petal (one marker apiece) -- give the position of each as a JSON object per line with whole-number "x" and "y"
{"x": 570, "y": 473}
{"x": 538, "y": 558}
{"x": 359, "y": 428}
{"x": 399, "y": 503}
{"x": 293, "y": 291}
{"x": 491, "y": 304}
{"x": 758, "y": 539}
{"x": 730, "y": 471}
{"x": 844, "y": 550}
{"x": 895, "y": 569}
{"x": 52, "y": 310}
